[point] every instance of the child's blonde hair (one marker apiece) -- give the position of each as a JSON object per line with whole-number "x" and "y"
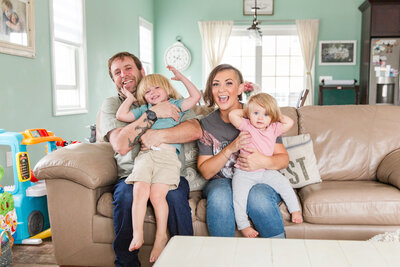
{"x": 152, "y": 80}
{"x": 267, "y": 102}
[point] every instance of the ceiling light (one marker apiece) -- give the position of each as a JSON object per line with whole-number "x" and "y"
{"x": 254, "y": 30}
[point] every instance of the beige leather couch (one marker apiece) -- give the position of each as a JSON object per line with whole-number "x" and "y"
{"x": 358, "y": 154}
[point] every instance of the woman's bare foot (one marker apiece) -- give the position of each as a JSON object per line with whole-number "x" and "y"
{"x": 296, "y": 217}
{"x": 137, "y": 241}
{"x": 159, "y": 245}
{"x": 249, "y": 232}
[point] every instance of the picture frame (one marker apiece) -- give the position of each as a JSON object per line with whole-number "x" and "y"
{"x": 337, "y": 52}
{"x": 266, "y": 7}
{"x": 17, "y": 28}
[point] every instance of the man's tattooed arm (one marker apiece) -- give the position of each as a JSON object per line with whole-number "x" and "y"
{"x": 142, "y": 131}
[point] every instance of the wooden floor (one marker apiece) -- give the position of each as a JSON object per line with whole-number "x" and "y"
{"x": 34, "y": 255}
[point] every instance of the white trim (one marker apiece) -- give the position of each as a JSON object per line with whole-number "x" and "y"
{"x": 81, "y": 69}
{"x": 149, "y": 26}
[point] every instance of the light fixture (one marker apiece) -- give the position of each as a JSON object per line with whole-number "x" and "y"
{"x": 254, "y": 30}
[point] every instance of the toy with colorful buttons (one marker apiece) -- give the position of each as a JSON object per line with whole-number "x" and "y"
{"x": 29, "y": 196}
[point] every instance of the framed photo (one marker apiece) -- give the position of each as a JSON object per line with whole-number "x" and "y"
{"x": 337, "y": 52}
{"x": 266, "y": 7}
{"x": 17, "y": 28}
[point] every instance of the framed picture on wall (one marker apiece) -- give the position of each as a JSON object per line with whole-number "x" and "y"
{"x": 17, "y": 28}
{"x": 266, "y": 7}
{"x": 337, "y": 52}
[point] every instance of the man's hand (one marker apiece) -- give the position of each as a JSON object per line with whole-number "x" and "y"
{"x": 252, "y": 161}
{"x": 166, "y": 110}
{"x": 150, "y": 138}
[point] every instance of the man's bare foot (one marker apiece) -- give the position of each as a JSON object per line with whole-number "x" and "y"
{"x": 249, "y": 232}
{"x": 137, "y": 242}
{"x": 159, "y": 245}
{"x": 296, "y": 217}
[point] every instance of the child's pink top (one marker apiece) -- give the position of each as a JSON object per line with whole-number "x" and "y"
{"x": 262, "y": 140}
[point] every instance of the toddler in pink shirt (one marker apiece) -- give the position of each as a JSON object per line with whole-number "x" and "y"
{"x": 263, "y": 120}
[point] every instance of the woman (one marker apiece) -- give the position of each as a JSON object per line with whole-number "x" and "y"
{"x": 218, "y": 152}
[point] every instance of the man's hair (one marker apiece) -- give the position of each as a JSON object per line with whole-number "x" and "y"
{"x": 267, "y": 102}
{"x": 208, "y": 97}
{"x": 153, "y": 80}
{"x": 121, "y": 56}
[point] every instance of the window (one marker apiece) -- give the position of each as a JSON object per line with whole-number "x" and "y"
{"x": 146, "y": 45}
{"x": 277, "y": 65}
{"x": 68, "y": 38}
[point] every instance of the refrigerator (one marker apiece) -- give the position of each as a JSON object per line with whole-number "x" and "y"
{"x": 384, "y": 71}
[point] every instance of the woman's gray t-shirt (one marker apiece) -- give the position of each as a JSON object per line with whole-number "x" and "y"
{"x": 218, "y": 134}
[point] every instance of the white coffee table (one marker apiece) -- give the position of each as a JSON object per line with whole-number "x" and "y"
{"x": 231, "y": 252}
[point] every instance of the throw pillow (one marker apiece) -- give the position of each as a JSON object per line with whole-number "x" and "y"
{"x": 302, "y": 169}
{"x": 190, "y": 154}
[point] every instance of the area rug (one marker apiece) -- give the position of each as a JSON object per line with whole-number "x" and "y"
{"x": 387, "y": 237}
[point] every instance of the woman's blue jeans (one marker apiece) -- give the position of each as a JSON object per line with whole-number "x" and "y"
{"x": 262, "y": 208}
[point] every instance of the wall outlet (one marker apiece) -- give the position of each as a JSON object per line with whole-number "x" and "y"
{"x": 9, "y": 159}
{"x": 326, "y": 78}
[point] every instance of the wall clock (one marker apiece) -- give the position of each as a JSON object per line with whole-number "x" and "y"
{"x": 178, "y": 55}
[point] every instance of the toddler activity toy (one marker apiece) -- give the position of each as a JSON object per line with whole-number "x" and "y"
{"x": 30, "y": 201}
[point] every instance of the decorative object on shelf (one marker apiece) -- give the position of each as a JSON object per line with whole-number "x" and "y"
{"x": 337, "y": 52}
{"x": 254, "y": 31}
{"x": 266, "y": 7}
{"x": 338, "y": 85}
{"x": 17, "y": 32}
{"x": 178, "y": 55}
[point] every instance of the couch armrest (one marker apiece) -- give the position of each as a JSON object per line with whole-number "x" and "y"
{"x": 91, "y": 165}
{"x": 389, "y": 169}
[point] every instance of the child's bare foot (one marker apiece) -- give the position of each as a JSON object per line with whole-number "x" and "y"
{"x": 296, "y": 217}
{"x": 137, "y": 242}
{"x": 249, "y": 232}
{"x": 159, "y": 245}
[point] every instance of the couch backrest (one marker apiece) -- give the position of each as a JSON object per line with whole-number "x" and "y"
{"x": 351, "y": 141}
{"x": 291, "y": 112}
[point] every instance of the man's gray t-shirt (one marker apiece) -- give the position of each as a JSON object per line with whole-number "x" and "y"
{"x": 108, "y": 122}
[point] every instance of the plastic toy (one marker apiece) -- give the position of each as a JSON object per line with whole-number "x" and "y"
{"x": 30, "y": 199}
{"x": 8, "y": 215}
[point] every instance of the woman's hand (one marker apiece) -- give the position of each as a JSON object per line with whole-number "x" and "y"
{"x": 252, "y": 161}
{"x": 240, "y": 142}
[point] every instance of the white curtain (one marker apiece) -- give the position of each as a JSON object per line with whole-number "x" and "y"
{"x": 215, "y": 36}
{"x": 308, "y": 36}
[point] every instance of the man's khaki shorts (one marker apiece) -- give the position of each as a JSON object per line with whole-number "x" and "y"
{"x": 156, "y": 166}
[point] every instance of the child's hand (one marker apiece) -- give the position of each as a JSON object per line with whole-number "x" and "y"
{"x": 178, "y": 75}
{"x": 128, "y": 94}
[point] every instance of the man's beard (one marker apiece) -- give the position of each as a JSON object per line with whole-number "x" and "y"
{"x": 140, "y": 77}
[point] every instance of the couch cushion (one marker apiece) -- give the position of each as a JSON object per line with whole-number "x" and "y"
{"x": 190, "y": 152}
{"x": 351, "y": 203}
{"x": 105, "y": 208}
{"x": 351, "y": 141}
{"x": 302, "y": 169}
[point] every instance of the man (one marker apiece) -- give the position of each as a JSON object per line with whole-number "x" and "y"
{"x": 126, "y": 71}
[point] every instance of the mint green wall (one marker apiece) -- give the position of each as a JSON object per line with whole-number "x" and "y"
{"x": 339, "y": 20}
{"x": 112, "y": 26}
{"x": 26, "y": 84}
